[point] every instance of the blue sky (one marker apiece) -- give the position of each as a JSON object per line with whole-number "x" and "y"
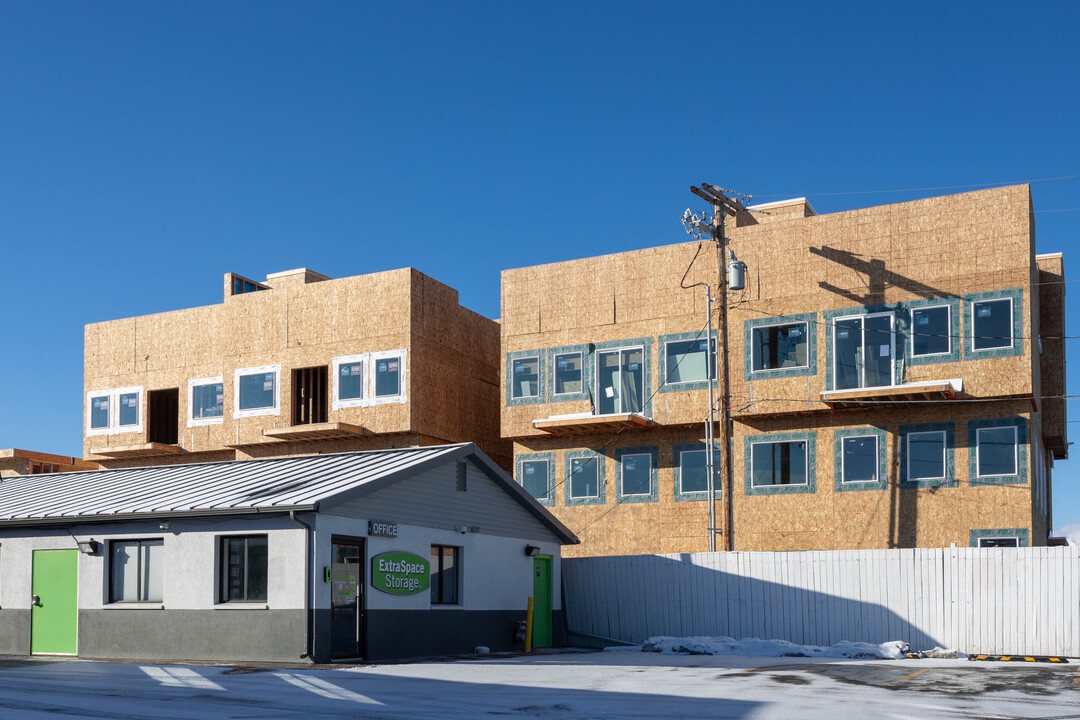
{"x": 147, "y": 148}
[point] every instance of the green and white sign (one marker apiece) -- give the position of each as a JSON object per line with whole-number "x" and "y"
{"x": 400, "y": 573}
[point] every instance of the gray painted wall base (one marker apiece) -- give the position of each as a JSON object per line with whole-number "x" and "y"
{"x": 14, "y": 632}
{"x": 416, "y": 633}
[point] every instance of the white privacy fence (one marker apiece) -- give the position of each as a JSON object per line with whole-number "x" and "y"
{"x": 976, "y": 600}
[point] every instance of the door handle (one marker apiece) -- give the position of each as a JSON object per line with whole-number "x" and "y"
{"x": 36, "y": 600}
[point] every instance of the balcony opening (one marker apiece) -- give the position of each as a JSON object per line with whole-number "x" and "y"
{"x": 309, "y": 395}
{"x": 163, "y": 416}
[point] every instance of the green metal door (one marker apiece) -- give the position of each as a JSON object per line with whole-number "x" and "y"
{"x": 54, "y": 615}
{"x": 541, "y": 601}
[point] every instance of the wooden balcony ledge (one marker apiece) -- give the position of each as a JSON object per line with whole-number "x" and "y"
{"x": 586, "y": 423}
{"x": 317, "y": 431}
{"x": 150, "y": 449}
{"x": 898, "y": 394}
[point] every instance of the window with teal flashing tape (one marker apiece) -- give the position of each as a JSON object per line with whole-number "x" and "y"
{"x": 997, "y": 451}
{"x": 999, "y": 537}
{"x": 860, "y": 459}
{"x": 691, "y": 476}
{"x": 584, "y": 473}
{"x": 535, "y": 473}
{"x": 780, "y": 347}
{"x": 525, "y": 377}
{"x": 927, "y": 456}
{"x": 687, "y": 362}
{"x": 636, "y": 469}
{"x": 780, "y": 463}
{"x": 993, "y": 324}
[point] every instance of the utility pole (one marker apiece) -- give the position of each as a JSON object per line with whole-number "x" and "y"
{"x": 722, "y": 207}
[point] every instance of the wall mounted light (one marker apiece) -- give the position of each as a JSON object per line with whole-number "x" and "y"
{"x": 164, "y": 527}
{"x": 532, "y": 550}
{"x": 87, "y": 546}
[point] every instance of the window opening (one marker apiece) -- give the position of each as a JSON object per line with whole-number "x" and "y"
{"x": 778, "y": 463}
{"x": 445, "y": 574}
{"x": 244, "y": 566}
{"x": 163, "y": 416}
{"x": 620, "y": 379}
{"x": 863, "y": 352}
{"x": 776, "y": 347}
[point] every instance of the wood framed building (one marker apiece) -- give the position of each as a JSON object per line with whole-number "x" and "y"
{"x": 896, "y": 380}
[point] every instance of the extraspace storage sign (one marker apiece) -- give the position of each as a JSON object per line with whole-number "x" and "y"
{"x": 400, "y": 573}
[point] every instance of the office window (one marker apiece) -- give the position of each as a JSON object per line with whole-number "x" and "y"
{"x": 778, "y": 463}
{"x": 992, "y": 324}
{"x": 859, "y": 459}
{"x": 257, "y": 391}
{"x": 244, "y": 568}
{"x": 568, "y": 373}
{"x": 996, "y": 451}
{"x": 525, "y": 381}
{"x": 926, "y": 455}
{"x": 931, "y": 331}
{"x": 136, "y": 570}
{"x": 620, "y": 379}
{"x": 118, "y": 410}
{"x": 636, "y": 474}
{"x": 584, "y": 478}
{"x": 206, "y": 401}
{"x": 776, "y": 347}
{"x": 534, "y": 477}
{"x": 445, "y": 575}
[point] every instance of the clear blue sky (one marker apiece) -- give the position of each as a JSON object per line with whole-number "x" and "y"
{"x": 147, "y": 148}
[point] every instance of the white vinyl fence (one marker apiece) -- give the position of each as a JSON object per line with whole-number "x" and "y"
{"x": 994, "y": 601}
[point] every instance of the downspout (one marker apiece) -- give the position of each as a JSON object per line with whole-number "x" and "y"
{"x": 309, "y": 586}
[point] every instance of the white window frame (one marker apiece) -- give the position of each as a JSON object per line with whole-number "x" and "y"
{"x": 547, "y": 479}
{"x": 595, "y": 460}
{"x": 554, "y": 369}
{"x": 539, "y": 374}
{"x": 622, "y": 475}
{"x": 999, "y": 537}
{"x": 843, "y": 462}
{"x": 862, "y": 343}
{"x": 255, "y": 412}
{"x": 644, "y": 376}
{"x": 710, "y": 355}
{"x": 806, "y": 335}
{"x": 199, "y": 382}
{"x": 948, "y": 330}
{"x": 806, "y": 462}
{"x": 338, "y": 402}
{"x": 114, "y": 427}
{"x": 682, "y": 471}
{"x": 372, "y": 362}
{"x": 944, "y": 456}
{"x": 978, "y": 455}
{"x": 975, "y": 337}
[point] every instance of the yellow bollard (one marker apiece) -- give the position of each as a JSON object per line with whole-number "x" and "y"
{"x": 528, "y": 626}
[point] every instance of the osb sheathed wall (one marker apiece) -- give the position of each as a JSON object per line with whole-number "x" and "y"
{"x": 941, "y": 248}
{"x": 630, "y": 295}
{"x": 298, "y": 325}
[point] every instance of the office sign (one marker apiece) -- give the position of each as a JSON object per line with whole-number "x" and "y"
{"x": 400, "y": 573}
{"x": 376, "y": 528}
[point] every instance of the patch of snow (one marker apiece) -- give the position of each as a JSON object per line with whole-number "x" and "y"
{"x": 893, "y": 650}
{"x": 481, "y": 650}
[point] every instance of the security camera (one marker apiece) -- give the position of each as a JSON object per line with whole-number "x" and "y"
{"x": 462, "y": 529}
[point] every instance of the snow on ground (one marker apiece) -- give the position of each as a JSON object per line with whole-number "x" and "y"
{"x": 754, "y": 647}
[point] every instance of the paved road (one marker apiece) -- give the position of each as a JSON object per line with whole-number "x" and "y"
{"x": 572, "y": 685}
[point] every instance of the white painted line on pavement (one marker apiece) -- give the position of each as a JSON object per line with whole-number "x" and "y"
{"x": 324, "y": 688}
{"x": 180, "y": 677}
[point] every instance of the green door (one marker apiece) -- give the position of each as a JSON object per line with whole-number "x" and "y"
{"x": 541, "y": 601}
{"x": 54, "y": 616}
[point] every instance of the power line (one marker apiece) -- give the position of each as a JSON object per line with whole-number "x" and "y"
{"x": 940, "y": 187}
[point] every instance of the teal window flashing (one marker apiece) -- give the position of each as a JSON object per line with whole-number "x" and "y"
{"x": 811, "y": 339}
{"x": 807, "y": 488}
{"x": 541, "y": 365}
{"x": 666, "y": 385}
{"x": 519, "y": 474}
{"x": 1021, "y": 535}
{"x": 621, "y": 456}
{"x": 952, "y": 302}
{"x": 646, "y": 391}
{"x": 949, "y": 433}
{"x": 599, "y": 462}
{"x": 695, "y": 495}
{"x": 1020, "y": 477}
{"x": 553, "y": 358}
{"x": 1016, "y": 296}
{"x": 838, "y": 459}
{"x": 900, "y": 326}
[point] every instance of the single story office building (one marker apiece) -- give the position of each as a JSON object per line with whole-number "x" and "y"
{"x": 374, "y": 555}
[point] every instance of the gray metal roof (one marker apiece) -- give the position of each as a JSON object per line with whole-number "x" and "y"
{"x": 242, "y": 486}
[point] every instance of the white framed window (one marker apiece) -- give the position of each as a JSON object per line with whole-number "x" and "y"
{"x": 568, "y": 373}
{"x": 525, "y": 377}
{"x": 206, "y": 401}
{"x": 992, "y": 324}
{"x": 996, "y": 542}
{"x": 584, "y": 478}
{"x": 117, "y": 410}
{"x": 693, "y": 474}
{"x": 995, "y": 452}
{"x": 636, "y": 476}
{"x": 620, "y": 380}
{"x": 535, "y": 476}
{"x": 863, "y": 350}
{"x": 778, "y": 463}
{"x": 931, "y": 332}
{"x": 926, "y": 455}
{"x": 350, "y": 377}
{"x": 689, "y": 361}
{"x": 386, "y": 378}
{"x": 779, "y": 347}
{"x": 257, "y": 391}
{"x": 859, "y": 459}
